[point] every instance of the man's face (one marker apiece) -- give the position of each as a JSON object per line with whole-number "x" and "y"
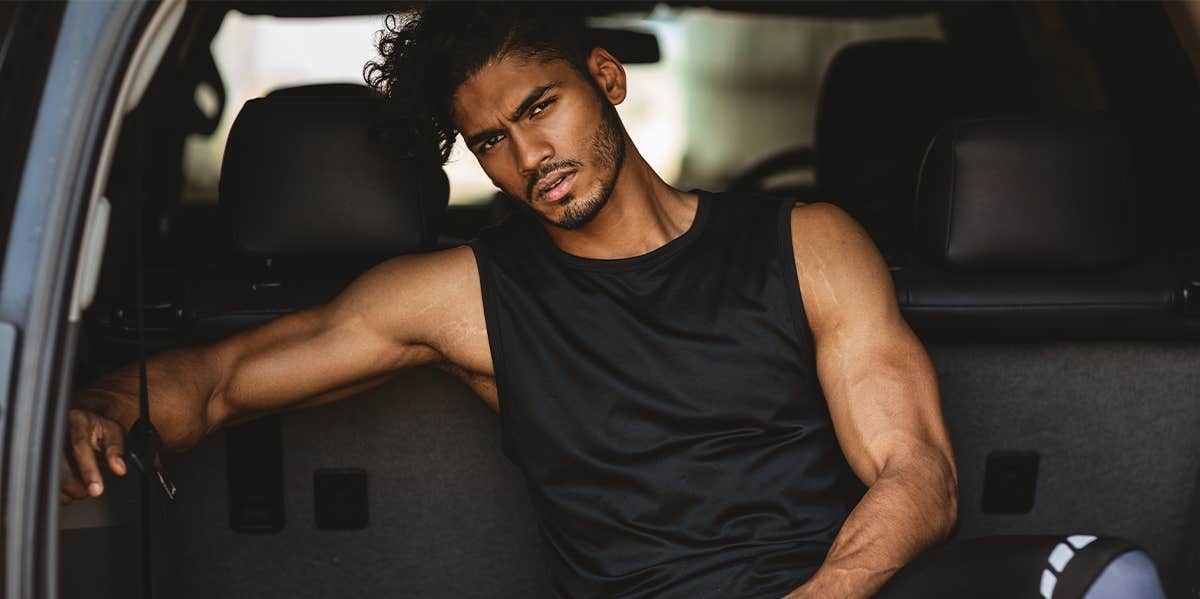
{"x": 544, "y": 135}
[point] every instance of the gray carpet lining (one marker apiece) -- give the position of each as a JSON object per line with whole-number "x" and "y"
{"x": 1115, "y": 425}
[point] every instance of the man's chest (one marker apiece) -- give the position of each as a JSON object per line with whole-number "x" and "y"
{"x": 687, "y": 344}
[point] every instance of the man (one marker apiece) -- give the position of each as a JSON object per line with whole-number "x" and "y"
{"x": 677, "y": 373}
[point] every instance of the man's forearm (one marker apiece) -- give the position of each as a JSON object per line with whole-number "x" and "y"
{"x": 912, "y": 505}
{"x": 181, "y": 384}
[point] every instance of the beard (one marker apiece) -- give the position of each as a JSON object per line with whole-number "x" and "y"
{"x": 608, "y": 154}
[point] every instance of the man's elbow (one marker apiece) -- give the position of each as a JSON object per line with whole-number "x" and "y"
{"x": 927, "y": 473}
{"x": 934, "y": 468}
{"x": 946, "y": 517}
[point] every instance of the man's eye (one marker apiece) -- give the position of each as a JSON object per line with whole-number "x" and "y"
{"x": 490, "y": 142}
{"x": 540, "y": 106}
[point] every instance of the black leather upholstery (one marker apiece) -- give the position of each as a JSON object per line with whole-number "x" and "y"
{"x": 1028, "y": 194}
{"x": 881, "y": 102}
{"x": 1028, "y": 230}
{"x": 1137, "y": 301}
{"x": 353, "y": 198}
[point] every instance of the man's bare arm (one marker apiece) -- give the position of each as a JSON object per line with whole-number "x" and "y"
{"x": 404, "y": 312}
{"x": 883, "y": 399}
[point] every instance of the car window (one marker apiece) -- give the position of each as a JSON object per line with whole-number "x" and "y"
{"x": 729, "y": 90}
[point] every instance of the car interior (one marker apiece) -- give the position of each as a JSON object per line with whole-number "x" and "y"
{"x": 1024, "y": 168}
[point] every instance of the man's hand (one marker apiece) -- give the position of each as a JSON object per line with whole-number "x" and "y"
{"x": 88, "y": 436}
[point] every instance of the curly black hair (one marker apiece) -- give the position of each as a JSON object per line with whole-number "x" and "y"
{"x": 425, "y": 55}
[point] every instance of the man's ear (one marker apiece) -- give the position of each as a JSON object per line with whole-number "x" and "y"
{"x": 609, "y": 74}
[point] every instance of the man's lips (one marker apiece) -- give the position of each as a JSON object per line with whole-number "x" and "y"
{"x": 554, "y": 186}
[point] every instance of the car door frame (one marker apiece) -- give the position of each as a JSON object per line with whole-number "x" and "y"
{"x": 62, "y": 171}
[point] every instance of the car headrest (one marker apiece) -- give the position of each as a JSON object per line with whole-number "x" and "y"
{"x": 1027, "y": 193}
{"x": 880, "y": 103}
{"x": 334, "y": 91}
{"x": 304, "y": 175}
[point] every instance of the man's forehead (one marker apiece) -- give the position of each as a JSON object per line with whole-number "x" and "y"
{"x": 500, "y": 85}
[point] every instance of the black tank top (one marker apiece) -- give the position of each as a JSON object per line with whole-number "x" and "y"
{"x": 665, "y": 408}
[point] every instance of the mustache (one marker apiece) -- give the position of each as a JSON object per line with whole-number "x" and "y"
{"x": 546, "y": 170}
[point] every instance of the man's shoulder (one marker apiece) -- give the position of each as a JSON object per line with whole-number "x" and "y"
{"x": 822, "y": 214}
{"x": 822, "y": 227}
{"x": 439, "y": 276}
{"x": 841, "y": 272}
{"x": 455, "y": 268}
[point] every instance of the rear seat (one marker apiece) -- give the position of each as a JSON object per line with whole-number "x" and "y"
{"x": 314, "y": 203}
{"x": 1063, "y": 356}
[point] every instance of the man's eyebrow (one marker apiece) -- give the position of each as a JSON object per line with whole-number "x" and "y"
{"x": 529, "y": 100}
{"x": 476, "y": 138}
{"x": 532, "y": 97}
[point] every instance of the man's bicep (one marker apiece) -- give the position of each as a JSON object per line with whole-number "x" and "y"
{"x": 883, "y": 399}
{"x": 415, "y": 301}
{"x": 878, "y": 380}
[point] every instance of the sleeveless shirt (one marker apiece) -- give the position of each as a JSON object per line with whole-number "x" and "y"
{"x": 665, "y": 408}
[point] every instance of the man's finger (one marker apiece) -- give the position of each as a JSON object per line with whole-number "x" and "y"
{"x": 71, "y": 485}
{"x": 114, "y": 447}
{"x": 89, "y": 470}
{"x": 116, "y": 463}
{"x": 75, "y": 489}
{"x": 64, "y": 499}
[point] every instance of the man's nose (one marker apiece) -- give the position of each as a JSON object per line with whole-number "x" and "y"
{"x": 532, "y": 151}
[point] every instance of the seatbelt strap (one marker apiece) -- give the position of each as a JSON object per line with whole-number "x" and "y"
{"x": 142, "y": 442}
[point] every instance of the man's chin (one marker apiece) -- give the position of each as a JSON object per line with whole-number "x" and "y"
{"x": 575, "y": 212}
{"x": 575, "y": 209}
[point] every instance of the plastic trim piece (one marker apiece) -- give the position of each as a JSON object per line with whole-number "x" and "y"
{"x": 150, "y": 52}
{"x": 91, "y": 254}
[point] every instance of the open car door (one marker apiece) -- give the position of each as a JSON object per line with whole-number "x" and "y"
{"x": 69, "y": 72}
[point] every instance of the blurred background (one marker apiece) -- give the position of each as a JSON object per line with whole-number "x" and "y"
{"x": 700, "y": 115}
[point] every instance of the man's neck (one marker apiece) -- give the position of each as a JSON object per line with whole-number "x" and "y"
{"x": 642, "y": 214}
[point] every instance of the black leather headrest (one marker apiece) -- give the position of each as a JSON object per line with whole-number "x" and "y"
{"x": 881, "y": 102}
{"x": 304, "y": 176}
{"x": 1027, "y": 193}
{"x": 328, "y": 91}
